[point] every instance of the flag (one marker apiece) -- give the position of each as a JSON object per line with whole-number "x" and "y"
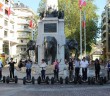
{"x": 9, "y": 11}
{"x": 82, "y": 3}
{"x": 1, "y": 5}
{"x": 30, "y": 24}
{"x": 84, "y": 20}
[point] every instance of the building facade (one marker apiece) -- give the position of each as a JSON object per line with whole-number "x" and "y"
{"x": 25, "y": 29}
{"x": 8, "y": 38}
{"x": 106, "y": 31}
{"x": 16, "y": 28}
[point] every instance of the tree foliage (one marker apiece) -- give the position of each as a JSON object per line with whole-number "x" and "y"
{"x": 72, "y": 21}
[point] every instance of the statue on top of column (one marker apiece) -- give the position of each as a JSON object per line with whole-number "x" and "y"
{"x": 52, "y": 10}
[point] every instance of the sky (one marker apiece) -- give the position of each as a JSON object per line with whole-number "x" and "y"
{"x": 34, "y": 4}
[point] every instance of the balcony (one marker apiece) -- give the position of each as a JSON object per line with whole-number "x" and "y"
{"x": 24, "y": 29}
{"x": 23, "y": 22}
{"x": 23, "y": 36}
{"x": 21, "y": 44}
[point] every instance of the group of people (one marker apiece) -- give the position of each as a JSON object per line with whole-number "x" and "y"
{"x": 73, "y": 65}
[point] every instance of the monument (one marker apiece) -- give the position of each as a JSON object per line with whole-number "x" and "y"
{"x": 52, "y": 3}
{"x": 51, "y": 37}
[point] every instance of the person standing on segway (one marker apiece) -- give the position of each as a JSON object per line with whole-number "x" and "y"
{"x": 28, "y": 69}
{"x": 84, "y": 64}
{"x": 108, "y": 70}
{"x": 70, "y": 68}
{"x": 43, "y": 66}
{"x": 77, "y": 67}
{"x": 1, "y": 65}
{"x": 56, "y": 69}
{"x": 11, "y": 68}
{"x": 97, "y": 69}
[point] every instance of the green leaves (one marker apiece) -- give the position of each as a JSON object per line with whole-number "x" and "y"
{"x": 72, "y": 21}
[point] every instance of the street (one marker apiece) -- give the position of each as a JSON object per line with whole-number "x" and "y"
{"x": 53, "y": 90}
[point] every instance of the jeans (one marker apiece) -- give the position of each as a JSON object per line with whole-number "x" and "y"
{"x": 56, "y": 72}
{"x": 11, "y": 72}
{"x": 77, "y": 69}
{"x": 97, "y": 74}
{"x": 108, "y": 74}
{"x": 28, "y": 73}
{"x": 84, "y": 73}
{"x": 70, "y": 74}
{"x": 0, "y": 73}
{"x": 43, "y": 74}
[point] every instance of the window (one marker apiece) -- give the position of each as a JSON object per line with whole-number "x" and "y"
{"x": 21, "y": 41}
{"x": 23, "y": 49}
{"x": 25, "y": 26}
{"x": 6, "y": 12}
{"x": 6, "y": 1}
{"x": 6, "y": 23}
{"x": 5, "y": 33}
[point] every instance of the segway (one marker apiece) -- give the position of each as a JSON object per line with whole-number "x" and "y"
{"x": 3, "y": 79}
{"x": 55, "y": 81}
{"x": 28, "y": 79}
{"x": 91, "y": 80}
{"x": 41, "y": 80}
{"x": 45, "y": 81}
{"x": 8, "y": 79}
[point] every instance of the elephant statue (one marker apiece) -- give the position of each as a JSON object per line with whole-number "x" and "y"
{"x": 71, "y": 44}
{"x": 50, "y": 48}
{"x": 31, "y": 45}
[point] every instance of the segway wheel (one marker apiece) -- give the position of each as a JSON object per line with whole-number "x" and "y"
{"x": 66, "y": 80}
{"x": 75, "y": 80}
{"x": 24, "y": 80}
{"x": 7, "y": 80}
{"x": 89, "y": 80}
{"x": 39, "y": 80}
{"x": 33, "y": 80}
{"x": 16, "y": 79}
{"x": 47, "y": 80}
{"x": 92, "y": 80}
{"x": 80, "y": 80}
{"x": 4, "y": 79}
{"x": 61, "y": 80}
{"x": 101, "y": 80}
{"x": 52, "y": 80}
{"x": 105, "y": 80}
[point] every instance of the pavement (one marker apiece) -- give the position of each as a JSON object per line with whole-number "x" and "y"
{"x": 53, "y": 90}
{"x": 19, "y": 89}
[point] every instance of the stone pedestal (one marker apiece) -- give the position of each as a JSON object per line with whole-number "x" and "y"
{"x": 58, "y": 33}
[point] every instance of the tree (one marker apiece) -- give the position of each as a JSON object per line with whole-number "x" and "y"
{"x": 72, "y": 20}
{"x": 42, "y": 6}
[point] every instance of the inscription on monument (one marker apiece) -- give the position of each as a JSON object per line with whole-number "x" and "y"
{"x": 50, "y": 27}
